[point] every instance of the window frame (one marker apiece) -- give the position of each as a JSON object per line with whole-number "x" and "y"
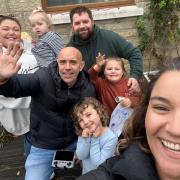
{"x": 101, "y": 5}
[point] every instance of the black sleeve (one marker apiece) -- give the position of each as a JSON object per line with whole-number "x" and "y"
{"x": 103, "y": 172}
{"x": 21, "y": 85}
{"x": 98, "y": 174}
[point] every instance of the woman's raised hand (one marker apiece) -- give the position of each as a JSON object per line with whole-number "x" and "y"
{"x": 9, "y": 65}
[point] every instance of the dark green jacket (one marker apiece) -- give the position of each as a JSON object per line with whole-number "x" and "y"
{"x": 110, "y": 44}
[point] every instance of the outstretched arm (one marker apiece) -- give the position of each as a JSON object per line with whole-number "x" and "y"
{"x": 8, "y": 61}
{"x": 100, "y": 61}
{"x": 95, "y": 69}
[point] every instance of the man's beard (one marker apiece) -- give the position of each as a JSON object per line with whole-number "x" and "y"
{"x": 84, "y": 36}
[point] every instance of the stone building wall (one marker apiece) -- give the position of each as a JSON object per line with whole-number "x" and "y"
{"x": 126, "y": 27}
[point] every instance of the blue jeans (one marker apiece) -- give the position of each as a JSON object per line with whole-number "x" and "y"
{"x": 38, "y": 163}
{"x": 27, "y": 144}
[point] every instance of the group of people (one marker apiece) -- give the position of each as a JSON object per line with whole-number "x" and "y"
{"x": 150, "y": 146}
{"x": 60, "y": 100}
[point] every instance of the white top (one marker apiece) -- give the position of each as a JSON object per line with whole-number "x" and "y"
{"x": 15, "y": 113}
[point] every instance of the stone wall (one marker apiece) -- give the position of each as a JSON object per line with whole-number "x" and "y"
{"x": 123, "y": 26}
{"x": 21, "y": 9}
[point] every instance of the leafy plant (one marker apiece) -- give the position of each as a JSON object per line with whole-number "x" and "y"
{"x": 158, "y": 29}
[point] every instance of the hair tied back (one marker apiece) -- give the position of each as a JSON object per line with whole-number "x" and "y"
{"x": 37, "y": 9}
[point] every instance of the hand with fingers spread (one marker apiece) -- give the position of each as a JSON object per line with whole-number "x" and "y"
{"x": 8, "y": 61}
{"x": 100, "y": 61}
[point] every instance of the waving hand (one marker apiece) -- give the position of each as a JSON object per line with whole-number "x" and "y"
{"x": 8, "y": 61}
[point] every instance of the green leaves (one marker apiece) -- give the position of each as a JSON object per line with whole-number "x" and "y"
{"x": 159, "y": 28}
{"x": 143, "y": 33}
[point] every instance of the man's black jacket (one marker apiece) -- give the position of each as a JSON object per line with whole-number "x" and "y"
{"x": 51, "y": 105}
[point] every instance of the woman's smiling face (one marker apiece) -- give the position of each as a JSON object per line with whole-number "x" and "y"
{"x": 10, "y": 31}
{"x": 162, "y": 124}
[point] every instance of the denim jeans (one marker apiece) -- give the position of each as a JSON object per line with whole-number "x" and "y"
{"x": 27, "y": 144}
{"x": 38, "y": 163}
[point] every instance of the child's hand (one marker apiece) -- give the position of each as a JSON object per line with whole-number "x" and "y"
{"x": 86, "y": 132}
{"x": 100, "y": 60}
{"x": 125, "y": 102}
{"x": 76, "y": 160}
{"x": 95, "y": 132}
{"x": 33, "y": 41}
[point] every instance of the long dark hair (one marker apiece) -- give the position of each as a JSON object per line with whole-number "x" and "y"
{"x": 134, "y": 130}
{"x": 10, "y": 17}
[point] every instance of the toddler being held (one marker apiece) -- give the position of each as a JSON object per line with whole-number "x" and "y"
{"x": 49, "y": 43}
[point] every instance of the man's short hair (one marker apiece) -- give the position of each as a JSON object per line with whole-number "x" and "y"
{"x": 79, "y": 10}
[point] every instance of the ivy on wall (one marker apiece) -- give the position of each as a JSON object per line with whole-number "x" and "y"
{"x": 159, "y": 29}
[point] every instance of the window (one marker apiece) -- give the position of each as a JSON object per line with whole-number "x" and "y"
{"x": 51, "y": 6}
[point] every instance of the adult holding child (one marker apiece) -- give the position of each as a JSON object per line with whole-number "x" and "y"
{"x": 54, "y": 90}
{"x": 91, "y": 40}
{"x": 49, "y": 43}
{"x": 151, "y": 145}
{"x": 15, "y": 113}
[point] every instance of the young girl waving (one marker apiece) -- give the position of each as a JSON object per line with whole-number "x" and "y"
{"x": 113, "y": 84}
